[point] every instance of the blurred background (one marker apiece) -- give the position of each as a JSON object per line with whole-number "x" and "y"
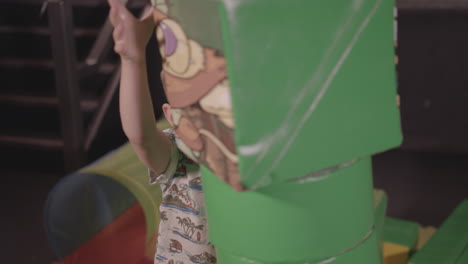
{"x": 59, "y": 110}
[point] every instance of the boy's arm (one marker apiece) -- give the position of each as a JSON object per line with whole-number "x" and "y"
{"x": 136, "y": 110}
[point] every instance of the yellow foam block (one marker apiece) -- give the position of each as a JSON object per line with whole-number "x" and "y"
{"x": 395, "y": 254}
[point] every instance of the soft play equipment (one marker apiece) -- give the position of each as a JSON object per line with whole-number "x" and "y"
{"x": 105, "y": 213}
{"x": 283, "y": 103}
{"x": 93, "y": 216}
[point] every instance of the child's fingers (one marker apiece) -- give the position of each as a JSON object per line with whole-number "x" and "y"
{"x": 114, "y": 12}
{"x": 114, "y": 3}
{"x": 123, "y": 11}
{"x": 114, "y": 16}
{"x": 118, "y": 32}
{"x": 119, "y": 12}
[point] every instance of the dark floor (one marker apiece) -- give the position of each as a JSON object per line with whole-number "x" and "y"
{"x": 424, "y": 187}
{"x": 22, "y": 197}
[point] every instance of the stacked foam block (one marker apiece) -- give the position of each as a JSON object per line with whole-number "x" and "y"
{"x": 313, "y": 97}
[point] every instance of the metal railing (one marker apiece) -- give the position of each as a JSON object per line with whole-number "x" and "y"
{"x": 78, "y": 140}
{"x": 66, "y": 83}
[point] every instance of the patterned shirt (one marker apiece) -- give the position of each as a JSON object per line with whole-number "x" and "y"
{"x": 183, "y": 234}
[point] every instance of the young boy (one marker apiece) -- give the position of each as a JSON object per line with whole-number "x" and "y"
{"x": 182, "y": 236}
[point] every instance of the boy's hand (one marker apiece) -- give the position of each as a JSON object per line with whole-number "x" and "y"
{"x": 130, "y": 34}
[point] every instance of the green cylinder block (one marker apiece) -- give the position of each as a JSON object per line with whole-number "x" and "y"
{"x": 366, "y": 252}
{"x": 315, "y": 218}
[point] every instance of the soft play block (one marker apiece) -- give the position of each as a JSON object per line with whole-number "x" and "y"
{"x": 366, "y": 251}
{"x": 400, "y": 237}
{"x": 329, "y": 213}
{"x": 312, "y": 83}
{"x": 401, "y": 232}
{"x": 269, "y": 90}
{"x": 449, "y": 244}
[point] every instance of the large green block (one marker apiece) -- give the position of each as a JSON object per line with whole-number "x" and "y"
{"x": 366, "y": 252}
{"x": 292, "y": 221}
{"x": 312, "y": 82}
{"x": 269, "y": 90}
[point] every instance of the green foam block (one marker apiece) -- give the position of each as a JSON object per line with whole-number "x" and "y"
{"x": 450, "y": 243}
{"x": 400, "y": 232}
{"x": 313, "y": 83}
{"x": 292, "y": 221}
{"x": 367, "y": 252}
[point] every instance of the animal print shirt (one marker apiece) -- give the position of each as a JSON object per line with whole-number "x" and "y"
{"x": 183, "y": 234}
